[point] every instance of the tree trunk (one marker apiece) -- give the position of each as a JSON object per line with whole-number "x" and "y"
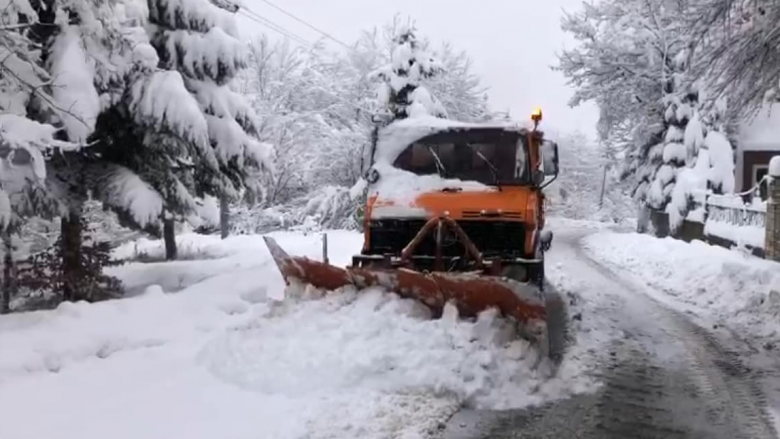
{"x": 8, "y": 274}
{"x": 71, "y": 234}
{"x": 224, "y": 216}
{"x": 169, "y": 235}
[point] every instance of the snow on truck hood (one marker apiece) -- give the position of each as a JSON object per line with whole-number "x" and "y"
{"x": 398, "y": 187}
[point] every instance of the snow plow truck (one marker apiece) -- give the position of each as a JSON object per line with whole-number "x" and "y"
{"x": 454, "y": 213}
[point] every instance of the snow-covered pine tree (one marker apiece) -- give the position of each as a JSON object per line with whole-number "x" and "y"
{"x": 64, "y": 55}
{"x": 199, "y": 39}
{"x": 709, "y": 159}
{"x": 177, "y": 132}
{"x": 673, "y": 188}
{"x": 148, "y": 134}
{"x": 23, "y": 194}
{"x": 25, "y": 94}
{"x": 628, "y": 64}
{"x": 675, "y": 154}
{"x": 401, "y": 92}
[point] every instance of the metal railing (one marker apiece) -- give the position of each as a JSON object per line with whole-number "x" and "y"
{"x": 733, "y": 208}
{"x": 732, "y": 213}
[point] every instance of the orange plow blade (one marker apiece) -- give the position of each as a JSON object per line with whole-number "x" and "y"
{"x": 470, "y": 293}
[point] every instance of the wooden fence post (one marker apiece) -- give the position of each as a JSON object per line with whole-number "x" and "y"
{"x": 772, "y": 239}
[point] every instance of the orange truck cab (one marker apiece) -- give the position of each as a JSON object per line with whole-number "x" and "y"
{"x": 459, "y": 197}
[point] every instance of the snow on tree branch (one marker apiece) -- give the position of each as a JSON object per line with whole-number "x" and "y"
{"x": 73, "y": 85}
{"x": 124, "y": 190}
{"x": 213, "y": 54}
{"x": 221, "y": 101}
{"x": 194, "y": 15}
{"x": 24, "y": 133}
{"x": 26, "y": 141}
{"x": 162, "y": 101}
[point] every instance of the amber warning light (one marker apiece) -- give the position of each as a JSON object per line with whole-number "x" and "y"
{"x": 536, "y": 115}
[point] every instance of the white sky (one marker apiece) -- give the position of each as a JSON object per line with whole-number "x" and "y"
{"x": 512, "y": 43}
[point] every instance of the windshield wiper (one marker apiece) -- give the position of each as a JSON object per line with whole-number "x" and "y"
{"x": 439, "y": 166}
{"x": 493, "y": 169}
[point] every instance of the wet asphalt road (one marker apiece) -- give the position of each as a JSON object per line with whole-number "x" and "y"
{"x": 664, "y": 376}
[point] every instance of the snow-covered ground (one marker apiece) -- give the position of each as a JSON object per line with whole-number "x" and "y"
{"x": 729, "y": 287}
{"x": 204, "y": 350}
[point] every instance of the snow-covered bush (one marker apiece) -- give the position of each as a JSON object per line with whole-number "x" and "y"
{"x": 46, "y": 275}
{"x": 247, "y": 220}
{"x": 333, "y": 207}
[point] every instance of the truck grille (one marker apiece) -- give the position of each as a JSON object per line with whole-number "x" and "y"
{"x": 492, "y": 238}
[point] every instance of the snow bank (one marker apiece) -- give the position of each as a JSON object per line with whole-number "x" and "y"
{"x": 220, "y": 359}
{"x": 752, "y": 236}
{"x": 741, "y": 291}
{"x": 207, "y": 257}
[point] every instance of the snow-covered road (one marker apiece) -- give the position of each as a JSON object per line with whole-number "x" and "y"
{"x": 662, "y": 376}
{"x": 220, "y": 359}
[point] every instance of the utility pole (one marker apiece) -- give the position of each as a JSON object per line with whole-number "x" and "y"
{"x": 603, "y": 186}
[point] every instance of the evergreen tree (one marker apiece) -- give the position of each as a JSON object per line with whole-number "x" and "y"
{"x": 630, "y": 63}
{"x": 81, "y": 51}
{"x": 199, "y": 40}
{"x": 401, "y": 93}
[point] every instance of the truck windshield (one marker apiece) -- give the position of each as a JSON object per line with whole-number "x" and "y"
{"x": 497, "y": 159}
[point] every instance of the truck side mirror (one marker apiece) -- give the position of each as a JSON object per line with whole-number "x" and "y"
{"x": 550, "y": 158}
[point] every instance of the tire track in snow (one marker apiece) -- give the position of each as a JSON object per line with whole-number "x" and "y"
{"x": 664, "y": 376}
{"x": 735, "y": 405}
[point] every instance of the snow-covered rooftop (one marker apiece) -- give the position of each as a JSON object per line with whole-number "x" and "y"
{"x": 762, "y": 131}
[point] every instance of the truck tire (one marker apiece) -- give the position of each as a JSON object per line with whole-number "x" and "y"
{"x": 557, "y": 324}
{"x": 557, "y": 312}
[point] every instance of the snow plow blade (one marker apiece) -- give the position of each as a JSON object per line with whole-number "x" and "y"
{"x": 471, "y": 293}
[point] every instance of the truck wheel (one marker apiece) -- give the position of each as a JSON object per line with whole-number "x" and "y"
{"x": 557, "y": 327}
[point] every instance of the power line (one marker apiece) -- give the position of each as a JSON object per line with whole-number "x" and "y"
{"x": 304, "y": 22}
{"x": 297, "y": 38}
{"x": 275, "y": 27}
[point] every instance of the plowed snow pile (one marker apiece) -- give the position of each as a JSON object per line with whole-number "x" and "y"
{"x": 220, "y": 360}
